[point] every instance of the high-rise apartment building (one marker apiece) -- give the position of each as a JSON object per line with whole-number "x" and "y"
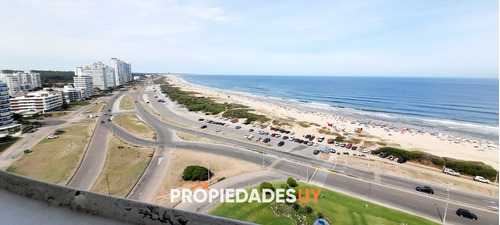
{"x": 122, "y": 71}
{"x": 84, "y": 85}
{"x": 6, "y": 119}
{"x": 29, "y": 80}
{"x": 102, "y": 75}
{"x": 12, "y": 82}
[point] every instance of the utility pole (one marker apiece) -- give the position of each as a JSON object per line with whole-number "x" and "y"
{"x": 446, "y": 208}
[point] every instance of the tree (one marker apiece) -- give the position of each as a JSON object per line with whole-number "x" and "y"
{"x": 65, "y": 105}
{"x": 266, "y": 185}
{"x": 195, "y": 173}
{"x": 291, "y": 182}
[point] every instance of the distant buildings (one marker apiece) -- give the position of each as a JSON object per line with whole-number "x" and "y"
{"x": 6, "y": 119}
{"x": 21, "y": 81}
{"x": 104, "y": 77}
{"x": 122, "y": 71}
{"x": 84, "y": 85}
{"x": 71, "y": 94}
{"x": 40, "y": 101}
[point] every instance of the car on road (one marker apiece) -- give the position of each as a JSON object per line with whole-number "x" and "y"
{"x": 481, "y": 179}
{"x": 217, "y": 130}
{"x": 316, "y": 152}
{"x": 52, "y": 137}
{"x": 281, "y": 143}
{"x": 203, "y": 127}
{"x": 102, "y": 121}
{"x": 426, "y": 189}
{"x": 466, "y": 213}
{"x": 109, "y": 120}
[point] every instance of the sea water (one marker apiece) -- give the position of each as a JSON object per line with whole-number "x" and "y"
{"x": 458, "y": 106}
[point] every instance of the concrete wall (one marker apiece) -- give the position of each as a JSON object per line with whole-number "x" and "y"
{"x": 119, "y": 209}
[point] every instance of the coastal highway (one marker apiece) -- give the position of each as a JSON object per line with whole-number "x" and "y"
{"x": 352, "y": 180}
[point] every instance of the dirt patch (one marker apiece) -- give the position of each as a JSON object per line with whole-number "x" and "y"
{"x": 418, "y": 172}
{"x": 192, "y": 137}
{"x": 222, "y": 167}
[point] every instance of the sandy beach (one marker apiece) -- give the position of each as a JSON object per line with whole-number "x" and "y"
{"x": 373, "y": 136}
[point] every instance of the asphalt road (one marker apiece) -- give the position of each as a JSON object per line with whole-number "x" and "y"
{"x": 393, "y": 191}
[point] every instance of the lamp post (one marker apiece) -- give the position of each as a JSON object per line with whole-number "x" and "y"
{"x": 307, "y": 168}
{"x": 446, "y": 208}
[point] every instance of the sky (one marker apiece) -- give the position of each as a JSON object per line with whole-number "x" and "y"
{"x": 435, "y": 38}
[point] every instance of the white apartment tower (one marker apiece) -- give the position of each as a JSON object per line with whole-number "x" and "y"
{"x": 122, "y": 71}
{"x": 29, "y": 80}
{"x": 102, "y": 75}
{"x": 83, "y": 84}
{"x": 13, "y": 84}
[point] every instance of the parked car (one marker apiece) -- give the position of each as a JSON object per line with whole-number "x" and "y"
{"x": 348, "y": 146}
{"x": 375, "y": 152}
{"x": 203, "y": 127}
{"x": 307, "y": 136}
{"x": 320, "y": 139}
{"x": 365, "y": 150}
{"x": 354, "y": 147}
{"x": 217, "y": 130}
{"x": 281, "y": 143}
{"x": 402, "y": 160}
{"x": 426, "y": 189}
{"x": 237, "y": 127}
{"x": 330, "y": 141}
{"x": 332, "y": 150}
{"x": 337, "y": 144}
{"x": 481, "y": 179}
{"x": 251, "y": 130}
{"x": 316, "y": 152}
{"x": 391, "y": 157}
{"x": 343, "y": 145}
{"x": 346, "y": 153}
{"x": 52, "y": 137}
{"x": 285, "y": 137}
{"x": 383, "y": 155}
{"x": 466, "y": 213}
{"x": 200, "y": 119}
{"x": 451, "y": 172}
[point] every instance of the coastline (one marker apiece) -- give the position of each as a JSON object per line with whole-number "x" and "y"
{"x": 403, "y": 136}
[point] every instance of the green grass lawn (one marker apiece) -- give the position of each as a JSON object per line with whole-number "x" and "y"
{"x": 55, "y": 160}
{"x": 123, "y": 167}
{"x": 126, "y": 103}
{"x": 8, "y": 142}
{"x": 134, "y": 125}
{"x": 336, "y": 208}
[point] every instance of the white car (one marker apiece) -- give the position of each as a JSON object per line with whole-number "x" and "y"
{"x": 451, "y": 172}
{"x": 481, "y": 179}
{"x": 217, "y": 130}
{"x": 365, "y": 150}
{"x": 52, "y": 137}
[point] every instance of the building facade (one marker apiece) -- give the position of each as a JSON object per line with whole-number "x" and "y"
{"x": 85, "y": 85}
{"x": 102, "y": 75}
{"x": 40, "y": 101}
{"x": 6, "y": 119}
{"x": 122, "y": 71}
{"x": 70, "y": 94}
{"x": 12, "y": 82}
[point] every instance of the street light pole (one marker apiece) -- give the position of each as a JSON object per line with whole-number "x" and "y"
{"x": 307, "y": 168}
{"x": 446, "y": 208}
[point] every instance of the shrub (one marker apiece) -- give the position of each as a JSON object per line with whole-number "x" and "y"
{"x": 265, "y": 185}
{"x": 291, "y": 182}
{"x": 319, "y": 215}
{"x": 195, "y": 173}
{"x": 339, "y": 139}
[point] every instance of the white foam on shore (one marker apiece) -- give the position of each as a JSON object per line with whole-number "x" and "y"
{"x": 455, "y": 128}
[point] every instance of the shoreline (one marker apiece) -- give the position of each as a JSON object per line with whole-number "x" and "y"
{"x": 408, "y": 138}
{"x": 483, "y": 133}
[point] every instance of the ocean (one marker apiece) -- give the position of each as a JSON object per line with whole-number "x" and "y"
{"x": 457, "y": 106}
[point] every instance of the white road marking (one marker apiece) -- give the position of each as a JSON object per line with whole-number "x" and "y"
{"x": 159, "y": 160}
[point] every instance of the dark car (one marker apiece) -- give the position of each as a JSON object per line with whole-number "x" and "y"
{"x": 281, "y": 143}
{"x": 237, "y": 127}
{"x": 307, "y": 136}
{"x": 312, "y": 138}
{"x": 102, "y": 121}
{"x": 251, "y": 130}
{"x": 383, "y": 155}
{"x": 204, "y": 126}
{"x": 200, "y": 119}
{"x": 305, "y": 142}
{"x": 348, "y": 146}
{"x": 426, "y": 189}
{"x": 374, "y": 152}
{"x": 466, "y": 213}
{"x": 316, "y": 152}
{"x": 300, "y": 141}
{"x": 402, "y": 160}
{"x": 285, "y": 137}
{"x": 354, "y": 147}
